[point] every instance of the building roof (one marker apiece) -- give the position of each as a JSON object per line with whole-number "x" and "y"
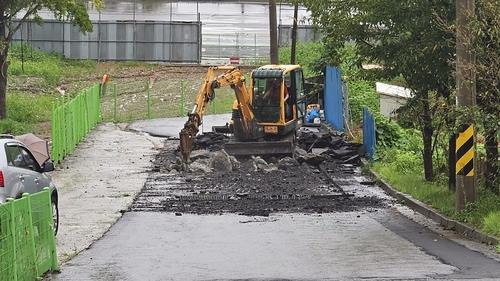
{"x": 395, "y": 91}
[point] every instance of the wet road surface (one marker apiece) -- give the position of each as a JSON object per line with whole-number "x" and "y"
{"x": 375, "y": 241}
{"x": 159, "y": 246}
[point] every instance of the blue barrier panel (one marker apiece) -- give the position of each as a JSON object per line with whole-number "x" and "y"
{"x": 334, "y": 98}
{"x": 369, "y": 135}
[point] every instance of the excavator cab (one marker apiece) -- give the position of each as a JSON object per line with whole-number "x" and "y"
{"x": 276, "y": 89}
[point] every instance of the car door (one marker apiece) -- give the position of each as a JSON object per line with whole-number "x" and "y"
{"x": 33, "y": 178}
{"x": 15, "y": 178}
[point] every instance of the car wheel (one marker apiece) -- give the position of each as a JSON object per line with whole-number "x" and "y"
{"x": 55, "y": 215}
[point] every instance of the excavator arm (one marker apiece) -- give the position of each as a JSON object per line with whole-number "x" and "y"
{"x": 231, "y": 76}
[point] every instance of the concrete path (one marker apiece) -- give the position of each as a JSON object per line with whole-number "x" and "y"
{"x": 170, "y": 127}
{"x": 97, "y": 183}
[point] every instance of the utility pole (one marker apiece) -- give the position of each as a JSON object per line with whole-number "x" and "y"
{"x": 273, "y": 32}
{"x": 466, "y": 99}
{"x": 294, "y": 34}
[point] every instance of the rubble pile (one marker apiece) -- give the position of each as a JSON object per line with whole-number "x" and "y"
{"x": 313, "y": 180}
{"x": 316, "y": 146}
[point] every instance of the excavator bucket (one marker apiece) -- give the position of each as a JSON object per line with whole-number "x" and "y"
{"x": 283, "y": 147}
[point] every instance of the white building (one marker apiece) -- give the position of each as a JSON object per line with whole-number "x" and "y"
{"x": 392, "y": 97}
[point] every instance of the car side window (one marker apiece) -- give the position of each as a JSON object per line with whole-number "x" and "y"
{"x": 14, "y": 156}
{"x": 19, "y": 157}
{"x": 29, "y": 160}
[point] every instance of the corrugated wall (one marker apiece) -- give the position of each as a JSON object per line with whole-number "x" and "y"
{"x": 118, "y": 40}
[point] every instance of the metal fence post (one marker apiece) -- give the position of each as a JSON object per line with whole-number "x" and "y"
{"x": 31, "y": 233}
{"x": 181, "y": 105}
{"x": 12, "y": 210}
{"x": 255, "y": 46}
{"x": 149, "y": 100}
{"x": 54, "y": 261}
{"x": 114, "y": 103}
{"x": 220, "y": 50}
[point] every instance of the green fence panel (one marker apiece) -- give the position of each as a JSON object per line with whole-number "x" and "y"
{"x": 27, "y": 244}
{"x": 73, "y": 120}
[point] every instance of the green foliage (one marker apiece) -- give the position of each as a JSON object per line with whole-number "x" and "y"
{"x": 476, "y": 213}
{"x": 389, "y": 133}
{"x": 9, "y": 126}
{"x": 24, "y": 111}
{"x": 402, "y": 161}
{"x": 431, "y": 193}
{"x": 29, "y": 108}
{"x": 307, "y": 55}
{"x": 362, "y": 94}
{"x": 350, "y": 63}
{"x": 484, "y": 213}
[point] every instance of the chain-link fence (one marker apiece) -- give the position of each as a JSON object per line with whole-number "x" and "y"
{"x": 148, "y": 99}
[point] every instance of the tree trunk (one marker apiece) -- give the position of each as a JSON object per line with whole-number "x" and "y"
{"x": 3, "y": 83}
{"x": 491, "y": 144}
{"x": 427, "y": 132}
{"x": 294, "y": 34}
{"x": 4, "y": 49}
{"x": 273, "y": 32}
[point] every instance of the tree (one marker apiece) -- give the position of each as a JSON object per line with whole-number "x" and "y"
{"x": 406, "y": 38}
{"x": 72, "y": 10}
{"x": 486, "y": 44}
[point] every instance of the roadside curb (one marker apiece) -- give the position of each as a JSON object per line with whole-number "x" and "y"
{"x": 448, "y": 223}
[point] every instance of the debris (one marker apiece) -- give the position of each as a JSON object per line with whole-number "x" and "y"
{"x": 319, "y": 151}
{"x": 210, "y": 141}
{"x": 201, "y": 165}
{"x": 221, "y": 161}
{"x": 199, "y": 154}
{"x": 235, "y": 163}
{"x": 368, "y": 182}
{"x": 311, "y": 159}
{"x": 260, "y": 164}
{"x": 352, "y": 160}
{"x": 286, "y": 163}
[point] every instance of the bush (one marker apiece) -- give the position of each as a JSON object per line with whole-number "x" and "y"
{"x": 362, "y": 94}
{"x": 389, "y": 133}
{"x": 402, "y": 161}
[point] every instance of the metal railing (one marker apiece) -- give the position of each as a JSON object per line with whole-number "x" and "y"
{"x": 27, "y": 244}
{"x": 73, "y": 120}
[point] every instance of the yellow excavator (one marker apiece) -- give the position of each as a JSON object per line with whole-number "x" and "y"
{"x": 264, "y": 115}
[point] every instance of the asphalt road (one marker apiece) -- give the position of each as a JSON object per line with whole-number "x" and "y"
{"x": 160, "y": 246}
{"x": 385, "y": 243}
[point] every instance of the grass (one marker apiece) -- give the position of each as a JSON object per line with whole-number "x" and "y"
{"x": 24, "y": 111}
{"x": 484, "y": 213}
{"x": 50, "y": 67}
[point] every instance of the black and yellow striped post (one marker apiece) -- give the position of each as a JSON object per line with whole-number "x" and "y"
{"x": 465, "y": 152}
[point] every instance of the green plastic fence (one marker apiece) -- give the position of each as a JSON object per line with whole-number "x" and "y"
{"x": 27, "y": 244}
{"x": 73, "y": 120}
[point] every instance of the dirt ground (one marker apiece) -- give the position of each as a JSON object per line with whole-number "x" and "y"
{"x": 172, "y": 93}
{"x": 281, "y": 184}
